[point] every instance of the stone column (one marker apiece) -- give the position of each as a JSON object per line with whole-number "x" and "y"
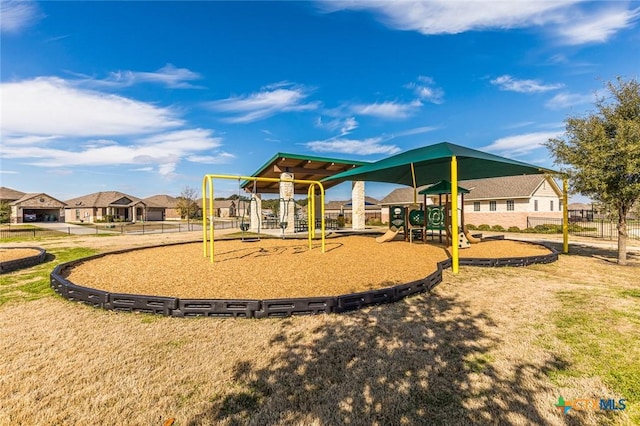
{"x": 255, "y": 206}
{"x": 357, "y": 205}
{"x": 287, "y": 204}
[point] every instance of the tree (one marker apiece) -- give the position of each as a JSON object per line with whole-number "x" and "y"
{"x": 187, "y": 205}
{"x": 5, "y": 212}
{"x": 600, "y": 153}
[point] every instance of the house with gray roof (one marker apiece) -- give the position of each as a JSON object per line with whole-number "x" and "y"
{"x": 32, "y": 207}
{"x": 162, "y": 207}
{"x": 505, "y": 201}
{"x": 105, "y": 206}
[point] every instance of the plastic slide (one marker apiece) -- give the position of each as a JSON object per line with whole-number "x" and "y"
{"x": 388, "y": 236}
{"x": 471, "y": 238}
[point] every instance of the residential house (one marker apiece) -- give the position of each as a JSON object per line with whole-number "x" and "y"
{"x": 162, "y": 207}
{"x": 372, "y": 208}
{"x": 105, "y": 206}
{"x": 32, "y": 207}
{"x": 505, "y": 201}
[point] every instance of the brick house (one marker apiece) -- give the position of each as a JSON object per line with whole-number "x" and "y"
{"x": 505, "y": 201}
{"x": 162, "y": 207}
{"x": 104, "y": 206}
{"x": 32, "y": 207}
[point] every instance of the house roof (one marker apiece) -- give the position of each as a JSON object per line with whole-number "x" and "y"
{"x": 303, "y": 167}
{"x": 522, "y": 186}
{"x": 103, "y": 199}
{"x": 10, "y": 194}
{"x": 32, "y": 195}
{"x": 370, "y": 203}
{"x": 161, "y": 201}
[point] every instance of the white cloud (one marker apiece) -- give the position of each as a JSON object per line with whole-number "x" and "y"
{"x": 594, "y": 24}
{"x": 415, "y": 131}
{"x": 390, "y": 110}
{"x": 16, "y": 15}
{"x": 508, "y": 83}
{"x": 599, "y": 27}
{"x": 343, "y": 125}
{"x": 351, "y": 146}
{"x": 517, "y": 145}
{"x": 169, "y": 75}
{"x": 8, "y": 172}
{"x": 51, "y": 106}
{"x": 566, "y": 100}
{"x": 220, "y": 158}
{"x": 164, "y": 151}
{"x": 426, "y": 90}
{"x": 273, "y": 99}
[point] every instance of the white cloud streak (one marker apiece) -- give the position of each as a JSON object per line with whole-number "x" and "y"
{"x": 596, "y": 23}
{"x": 271, "y": 100}
{"x": 517, "y": 145}
{"x": 598, "y": 28}
{"x": 426, "y": 90}
{"x": 51, "y": 106}
{"x": 352, "y": 146}
{"x": 169, "y": 76}
{"x": 567, "y": 100}
{"x": 17, "y": 15}
{"x": 388, "y": 110}
{"x": 164, "y": 151}
{"x": 508, "y": 83}
{"x": 342, "y": 125}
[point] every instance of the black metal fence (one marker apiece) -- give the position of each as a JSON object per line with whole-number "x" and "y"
{"x": 596, "y": 228}
{"x": 112, "y": 228}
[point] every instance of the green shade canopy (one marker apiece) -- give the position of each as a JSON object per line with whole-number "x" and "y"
{"x": 433, "y": 163}
{"x": 442, "y": 187}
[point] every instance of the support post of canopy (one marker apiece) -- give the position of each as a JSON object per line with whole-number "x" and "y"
{"x": 454, "y": 215}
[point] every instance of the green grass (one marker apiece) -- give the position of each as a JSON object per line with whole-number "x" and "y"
{"x": 602, "y": 336}
{"x": 33, "y": 283}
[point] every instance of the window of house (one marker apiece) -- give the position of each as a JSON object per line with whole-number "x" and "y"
{"x": 551, "y": 205}
{"x": 492, "y": 206}
{"x": 510, "y": 205}
{"x": 77, "y": 214}
{"x": 476, "y": 206}
{"x": 535, "y": 205}
{"x": 560, "y": 206}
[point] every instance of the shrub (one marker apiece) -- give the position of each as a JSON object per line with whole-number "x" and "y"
{"x": 471, "y": 227}
{"x": 484, "y": 227}
{"x": 513, "y": 229}
{"x": 497, "y": 228}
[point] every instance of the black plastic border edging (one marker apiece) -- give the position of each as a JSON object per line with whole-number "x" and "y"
{"x": 25, "y": 262}
{"x": 268, "y": 308}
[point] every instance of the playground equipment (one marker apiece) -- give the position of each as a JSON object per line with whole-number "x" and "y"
{"x": 396, "y": 223}
{"x": 284, "y": 213}
{"x": 208, "y": 208}
{"x": 243, "y": 206}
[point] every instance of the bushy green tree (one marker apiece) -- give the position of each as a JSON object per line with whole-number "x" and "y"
{"x": 600, "y": 153}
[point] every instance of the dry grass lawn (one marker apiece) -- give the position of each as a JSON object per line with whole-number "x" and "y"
{"x": 482, "y": 348}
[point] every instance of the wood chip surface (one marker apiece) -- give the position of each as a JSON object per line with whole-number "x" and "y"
{"x": 270, "y": 269}
{"x": 7, "y": 254}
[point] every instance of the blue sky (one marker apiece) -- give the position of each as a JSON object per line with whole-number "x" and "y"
{"x": 147, "y": 97}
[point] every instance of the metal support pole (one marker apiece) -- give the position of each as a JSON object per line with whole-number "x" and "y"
{"x": 454, "y": 215}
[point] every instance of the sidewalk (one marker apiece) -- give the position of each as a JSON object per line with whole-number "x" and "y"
{"x": 632, "y": 244}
